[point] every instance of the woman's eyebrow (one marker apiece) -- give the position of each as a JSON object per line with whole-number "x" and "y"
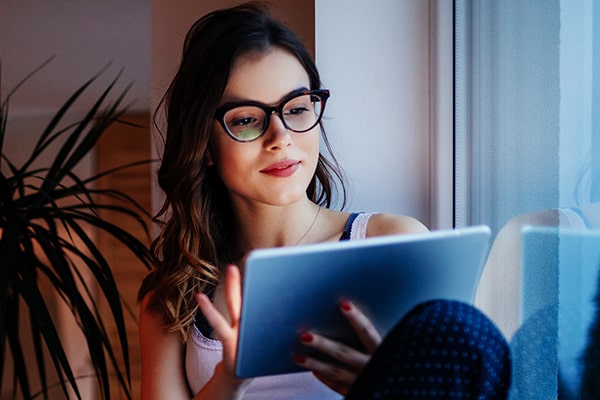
{"x": 234, "y": 101}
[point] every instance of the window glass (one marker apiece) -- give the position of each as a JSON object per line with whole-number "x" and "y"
{"x": 527, "y": 157}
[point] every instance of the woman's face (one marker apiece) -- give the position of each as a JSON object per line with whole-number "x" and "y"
{"x": 276, "y": 168}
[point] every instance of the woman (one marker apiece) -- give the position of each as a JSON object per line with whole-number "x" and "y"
{"x": 242, "y": 169}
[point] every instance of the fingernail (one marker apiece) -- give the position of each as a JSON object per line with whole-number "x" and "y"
{"x": 306, "y": 337}
{"x": 299, "y": 358}
{"x": 346, "y": 306}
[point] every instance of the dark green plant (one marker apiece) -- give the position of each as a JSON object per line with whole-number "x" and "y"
{"x": 36, "y": 205}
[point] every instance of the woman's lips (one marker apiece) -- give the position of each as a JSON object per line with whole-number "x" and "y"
{"x": 282, "y": 169}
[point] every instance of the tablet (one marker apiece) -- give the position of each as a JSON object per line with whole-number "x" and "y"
{"x": 289, "y": 290}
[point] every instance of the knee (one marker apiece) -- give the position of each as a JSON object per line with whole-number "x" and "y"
{"x": 453, "y": 345}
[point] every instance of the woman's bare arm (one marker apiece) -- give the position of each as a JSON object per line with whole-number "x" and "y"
{"x": 163, "y": 366}
{"x": 163, "y": 375}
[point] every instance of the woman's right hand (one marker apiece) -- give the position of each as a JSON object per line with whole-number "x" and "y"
{"x": 350, "y": 362}
{"x": 225, "y": 330}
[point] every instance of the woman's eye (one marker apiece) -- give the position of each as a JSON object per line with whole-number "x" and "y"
{"x": 297, "y": 110}
{"x": 245, "y": 121}
{"x": 299, "y": 106}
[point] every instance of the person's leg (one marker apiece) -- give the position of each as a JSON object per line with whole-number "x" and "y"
{"x": 440, "y": 350}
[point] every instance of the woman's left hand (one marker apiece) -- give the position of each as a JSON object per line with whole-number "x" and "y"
{"x": 340, "y": 377}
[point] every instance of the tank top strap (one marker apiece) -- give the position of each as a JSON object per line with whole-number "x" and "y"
{"x": 347, "y": 234}
{"x": 348, "y": 227}
{"x": 359, "y": 226}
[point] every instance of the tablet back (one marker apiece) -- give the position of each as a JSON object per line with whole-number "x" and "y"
{"x": 290, "y": 290}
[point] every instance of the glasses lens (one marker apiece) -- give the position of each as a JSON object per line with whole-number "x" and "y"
{"x": 245, "y": 123}
{"x": 302, "y": 113}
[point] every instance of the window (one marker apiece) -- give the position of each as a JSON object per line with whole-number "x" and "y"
{"x": 527, "y": 163}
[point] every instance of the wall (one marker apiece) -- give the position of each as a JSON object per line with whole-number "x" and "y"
{"x": 374, "y": 56}
{"x": 83, "y": 37}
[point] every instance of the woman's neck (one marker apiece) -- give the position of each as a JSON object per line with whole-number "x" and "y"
{"x": 276, "y": 226}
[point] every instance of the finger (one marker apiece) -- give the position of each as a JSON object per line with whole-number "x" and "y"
{"x": 368, "y": 335}
{"x": 344, "y": 354}
{"x": 233, "y": 292}
{"x": 215, "y": 319}
{"x": 328, "y": 373}
{"x": 223, "y": 331}
{"x": 341, "y": 388}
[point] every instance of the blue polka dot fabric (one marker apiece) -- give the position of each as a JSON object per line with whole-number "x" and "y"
{"x": 534, "y": 350}
{"x": 440, "y": 350}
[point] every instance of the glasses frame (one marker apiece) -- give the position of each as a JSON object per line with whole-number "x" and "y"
{"x": 322, "y": 94}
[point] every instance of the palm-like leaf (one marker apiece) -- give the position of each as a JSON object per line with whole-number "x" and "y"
{"x": 45, "y": 219}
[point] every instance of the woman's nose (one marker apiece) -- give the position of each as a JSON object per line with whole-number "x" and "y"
{"x": 277, "y": 135}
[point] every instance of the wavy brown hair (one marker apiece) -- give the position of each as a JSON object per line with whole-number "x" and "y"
{"x": 196, "y": 216}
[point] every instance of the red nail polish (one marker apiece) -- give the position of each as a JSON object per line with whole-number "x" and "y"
{"x": 299, "y": 358}
{"x": 306, "y": 337}
{"x": 346, "y": 306}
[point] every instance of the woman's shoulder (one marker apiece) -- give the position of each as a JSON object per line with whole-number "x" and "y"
{"x": 147, "y": 308}
{"x": 391, "y": 224}
{"x": 152, "y": 326}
